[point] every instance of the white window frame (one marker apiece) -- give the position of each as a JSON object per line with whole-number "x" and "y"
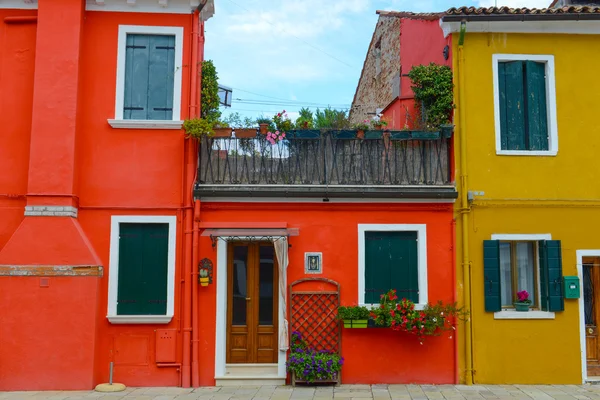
{"x": 175, "y": 122}
{"x": 421, "y": 230}
{"x": 550, "y": 104}
{"x": 113, "y": 271}
{"x": 533, "y": 314}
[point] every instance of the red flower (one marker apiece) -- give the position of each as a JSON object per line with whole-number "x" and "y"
{"x": 279, "y": 114}
{"x": 392, "y": 313}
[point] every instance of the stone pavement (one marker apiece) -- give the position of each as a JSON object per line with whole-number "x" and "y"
{"x": 345, "y": 392}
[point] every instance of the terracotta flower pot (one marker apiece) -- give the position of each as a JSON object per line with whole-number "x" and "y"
{"x": 360, "y": 134}
{"x": 245, "y": 133}
{"x": 264, "y": 128}
{"x": 222, "y": 132}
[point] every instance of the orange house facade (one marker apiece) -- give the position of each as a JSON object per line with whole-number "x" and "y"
{"x": 112, "y": 222}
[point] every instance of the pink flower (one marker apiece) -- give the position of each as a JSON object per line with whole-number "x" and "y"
{"x": 283, "y": 135}
{"x": 523, "y": 296}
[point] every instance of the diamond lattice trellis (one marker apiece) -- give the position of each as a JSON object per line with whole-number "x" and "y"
{"x": 314, "y": 313}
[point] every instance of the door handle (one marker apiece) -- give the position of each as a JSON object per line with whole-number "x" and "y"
{"x": 590, "y": 331}
{"x": 248, "y": 299}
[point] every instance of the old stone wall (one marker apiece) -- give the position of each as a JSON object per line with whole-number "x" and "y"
{"x": 380, "y": 79}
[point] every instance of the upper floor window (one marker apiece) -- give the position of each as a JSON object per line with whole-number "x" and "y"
{"x": 525, "y": 104}
{"x": 149, "y": 77}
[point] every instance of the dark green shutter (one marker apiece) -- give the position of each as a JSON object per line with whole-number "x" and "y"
{"x": 149, "y": 77}
{"x": 391, "y": 262}
{"x": 537, "y": 116}
{"x": 551, "y": 275}
{"x": 143, "y": 269}
{"x": 512, "y": 105}
{"x": 491, "y": 275}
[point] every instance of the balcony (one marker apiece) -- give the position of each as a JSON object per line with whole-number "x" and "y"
{"x": 328, "y": 164}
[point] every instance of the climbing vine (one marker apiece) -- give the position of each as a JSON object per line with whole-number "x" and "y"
{"x": 210, "y": 93}
{"x": 433, "y": 89}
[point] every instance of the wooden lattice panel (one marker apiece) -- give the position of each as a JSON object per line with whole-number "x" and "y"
{"x": 314, "y": 312}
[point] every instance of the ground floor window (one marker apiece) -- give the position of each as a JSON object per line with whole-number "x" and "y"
{"x": 392, "y": 257}
{"x": 518, "y": 271}
{"x": 141, "y": 271}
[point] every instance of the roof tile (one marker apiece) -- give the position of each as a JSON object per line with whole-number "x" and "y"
{"x": 522, "y": 11}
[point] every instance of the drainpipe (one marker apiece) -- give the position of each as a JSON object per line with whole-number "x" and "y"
{"x": 464, "y": 206}
{"x": 190, "y": 156}
{"x": 195, "y": 305}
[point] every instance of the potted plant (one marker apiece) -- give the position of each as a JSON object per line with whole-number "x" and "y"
{"x": 198, "y": 128}
{"x": 245, "y": 133}
{"x": 379, "y": 124}
{"x": 282, "y": 122}
{"x": 204, "y": 279}
{"x": 222, "y": 129}
{"x": 265, "y": 125}
{"x": 361, "y": 127}
{"x": 308, "y": 365}
{"x": 523, "y": 302}
{"x": 354, "y": 316}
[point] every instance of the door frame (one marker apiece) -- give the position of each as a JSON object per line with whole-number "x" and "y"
{"x": 580, "y": 255}
{"x": 221, "y": 313}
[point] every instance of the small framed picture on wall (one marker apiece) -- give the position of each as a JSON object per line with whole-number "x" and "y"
{"x": 313, "y": 263}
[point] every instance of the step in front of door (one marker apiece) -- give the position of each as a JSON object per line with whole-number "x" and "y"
{"x": 250, "y": 375}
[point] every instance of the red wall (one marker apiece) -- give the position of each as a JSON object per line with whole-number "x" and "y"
{"x": 371, "y": 355}
{"x": 59, "y": 337}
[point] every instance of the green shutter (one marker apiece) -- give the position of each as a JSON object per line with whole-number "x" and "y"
{"x": 491, "y": 275}
{"x": 391, "y": 262}
{"x": 143, "y": 269}
{"x": 537, "y": 116}
{"x": 149, "y": 77}
{"x": 551, "y": 275}
{"x": 512, "y": 105}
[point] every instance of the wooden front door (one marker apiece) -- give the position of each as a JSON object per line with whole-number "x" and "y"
{"x": 252, "y": 303}
{"x": 591, "y": 303}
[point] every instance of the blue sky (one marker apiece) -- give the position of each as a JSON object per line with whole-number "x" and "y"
{"x": 302, "y": 52}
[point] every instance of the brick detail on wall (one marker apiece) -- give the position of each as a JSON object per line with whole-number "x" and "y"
{"x": 51, "y": 211}
{"x": 380, "y": 73}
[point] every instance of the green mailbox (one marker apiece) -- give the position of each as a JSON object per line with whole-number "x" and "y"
{"x": 571, "y": 287}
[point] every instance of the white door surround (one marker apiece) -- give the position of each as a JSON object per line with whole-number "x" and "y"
{"x": 221, "y": 319}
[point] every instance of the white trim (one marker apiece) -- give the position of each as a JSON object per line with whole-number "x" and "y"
{"x": 113, "y": 270}
{"x": 143, "y": 6}
{"x": 19, "y": 4}
{"x": 580, "y": 254}
{"x": 318, "y": 200}
{"x": 533, "y": 314}
{"x": 544, "y": 27}
{"x": 144, "y": 124}
{"x": 421, "y": 230}
{"x": 176, "y": 31}
{"x": 522, "y": 237}
{"x": 550, "y": 104}
{"x": 221, "y": 316}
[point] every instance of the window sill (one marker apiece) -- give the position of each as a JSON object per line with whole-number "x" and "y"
{"x": 139, "y": 319}
{"x": 512, "y": 314}
{"x": 372, "y": 306}
{"x": 144, "y": 124}
{"x": 538, "y": 153}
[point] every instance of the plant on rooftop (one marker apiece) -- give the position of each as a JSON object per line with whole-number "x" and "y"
{"x": 433, "y": 89}
{"x": 310, "y": 365}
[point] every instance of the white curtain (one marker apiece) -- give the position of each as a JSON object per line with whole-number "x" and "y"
{"x": 505, "y": 275}
{"x": 281, "y": 251}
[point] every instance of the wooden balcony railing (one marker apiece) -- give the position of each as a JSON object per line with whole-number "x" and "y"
{"x": 329, "y": 164}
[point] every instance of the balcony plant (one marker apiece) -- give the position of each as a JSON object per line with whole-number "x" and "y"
{"x": 354, "y": 316}
{"x": 222, "y": 129}
{"x": 282, "y": 121}
{"x": 361, "y": 127}
{"x": 433, "y": 90}
{"x": 265, "y": 125}
{"x": 523, "y": 302}
{"x": 305, "y": 120}
{"x": 198, "y": 128}
{"x": 401, "y": 315}
{"x": 308, "y": 365}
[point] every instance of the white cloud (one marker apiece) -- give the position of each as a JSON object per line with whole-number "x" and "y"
{"x": 515, "y": 3}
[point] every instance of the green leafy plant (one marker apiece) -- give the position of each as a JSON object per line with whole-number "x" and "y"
{"x": 220, "y": 124}
{"x": 353, "y": 312}
{"x": 310, "y": 365}
{"x": 433, "y": 89}
{"x": 401, "y": 315}
{"x": 330, "y": 118}
{"x": 268, "y": 121}
{"x": 210, "y": 93}
{"x": 237, "y": 121}
{"x": 305, "y": 120}
{"x": 378, "y": 123}
{"x": 363, "y": 126}
{"x": 282, "y": 122}
{"x": 198, "y": 128}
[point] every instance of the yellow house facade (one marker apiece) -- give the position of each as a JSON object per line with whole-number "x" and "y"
{"x": 527, "y": 150}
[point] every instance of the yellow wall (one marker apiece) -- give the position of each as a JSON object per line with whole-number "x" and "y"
{"x": 559, "y": 195}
